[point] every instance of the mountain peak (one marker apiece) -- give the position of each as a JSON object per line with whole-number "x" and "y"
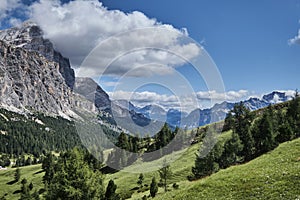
{"x": 31, "y": 37}
{"x": 276, "y": 97}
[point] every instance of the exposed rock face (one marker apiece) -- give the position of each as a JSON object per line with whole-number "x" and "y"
{"x": 30, "y": 37}
{"x": 29, "y": 80}
{"x": 88, "y": 88}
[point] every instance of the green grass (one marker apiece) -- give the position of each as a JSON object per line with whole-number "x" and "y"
{"x": 275, "y": 175}
{"x": 181, "y": 167}
{"x": 8, "y": 188}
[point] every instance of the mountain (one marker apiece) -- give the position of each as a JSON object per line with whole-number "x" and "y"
{"x": 30, "y": 81}
{"x": 88, "y": 88}
{"x": 30, "y": 36}
{"x": 34, "y": 77}
{"x": 200, "y": 117}
{"x": 276, "y": 97}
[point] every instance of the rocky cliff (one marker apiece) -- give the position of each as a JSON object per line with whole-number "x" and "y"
{"x": 35, "y": 77}
{"x": 28, "y": 80}
{"x": 30, "y": 36}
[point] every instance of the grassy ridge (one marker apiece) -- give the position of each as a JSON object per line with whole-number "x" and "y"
{"x": 275, "y": 175}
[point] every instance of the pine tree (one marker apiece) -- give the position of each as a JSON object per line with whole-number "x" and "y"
{"x": 242, "y": 123}
{"x": 206, "y": 163}
{"x": 140, "y": 180}
{"x": 293, "y": 114}
{"x": 165, "y": 173}
{"x": 232, "y": 149}
{"x": 74, "y": 179}
{"x": 48, "y": 167}
{"x": 110, "y": 193}
{"x": 228, "y": 122}
{"x": 123, "y": 141}
{"x": 264, "y": 135}
{"x": 153, "y": 187}
{"x": 17, "y": 174}
{"x": 25, "y": 191}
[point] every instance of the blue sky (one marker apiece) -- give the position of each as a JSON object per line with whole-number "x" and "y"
{"x": 247, "y": 40}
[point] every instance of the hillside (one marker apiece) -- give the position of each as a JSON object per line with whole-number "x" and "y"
{"x": 275, "y": 175}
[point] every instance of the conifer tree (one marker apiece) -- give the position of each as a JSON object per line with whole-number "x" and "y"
{"x": 165, "y": 173}
{"x": 153, "y": 187}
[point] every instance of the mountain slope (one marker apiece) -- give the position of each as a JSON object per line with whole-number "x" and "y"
{"x": 30, "y": 81}
{"x": 30, "y": 36}
{"x": 275, "y": 175}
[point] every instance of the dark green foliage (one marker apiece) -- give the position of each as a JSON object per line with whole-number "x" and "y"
{"x": 293, "y": 114}
{"x": 153, "y": 187}
{"x": 175, "y": 186}
{"x": 17, "y": 174}
{"x": 123, "y": 141}
{"x": 165, "y": 173}
{"x": 25, "y": 191}
{"x": 228, "y": 122}
{"x": 74, "y": 178}
{"x": 242, "y": 123}
{"x": 254, "y": 133}
{"x": 264, "y": 134}
{"x": 144, "y": 197}
{"x": 140, "y": 180}
{"x": 4, "y": 160}
{"x": 207, "y": 164}
{"x": 164, "y": 136}
{"x": 35, "y": 195}
{"x": 30, "y": 186}
{"x": 48, "y": 167}
{"x": 110, "y": 193}
{"x": 232, "y": 149}
{"x": 26, "y": 136}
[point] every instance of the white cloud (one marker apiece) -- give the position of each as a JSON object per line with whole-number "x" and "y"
{"x": 228, "y": 96}
{"x": 76, "y": 27}
{"x": 295, "y": 40}
{"x": 185, "y": 103}
{"x": 7, "y": 6}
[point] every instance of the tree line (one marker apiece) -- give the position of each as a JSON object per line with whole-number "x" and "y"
{"x": 253, "y": 134}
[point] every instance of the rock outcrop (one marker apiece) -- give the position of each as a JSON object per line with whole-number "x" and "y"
{"x": 28, "y": 80}
{"x": 30, "y": 36}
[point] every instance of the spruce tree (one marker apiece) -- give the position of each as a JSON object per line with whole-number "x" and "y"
{"x": 17, "y": 174}
{"x": 153, "y": 187}
{"x": 165, "y": 173}
{"x": 140, "y": 180}
{"x": 25, "y": 191}
{"x": 242, "y": 123}
{"x": 110, "y": 193}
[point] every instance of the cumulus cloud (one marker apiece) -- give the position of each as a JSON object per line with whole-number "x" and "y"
{"x": 295, "y": 40}
{"x": 228, "y": 96}
{"x": 78, "y": 26}
{"x": 185, "y": 103}
{"x": 6, "y": 7}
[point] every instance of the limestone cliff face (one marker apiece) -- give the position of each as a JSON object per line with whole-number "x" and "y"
{"x": 30, "y": 36}
{"x": 88, "y": 88}
{"x": 28, "y": 80}
{"x": 34, "y": 76}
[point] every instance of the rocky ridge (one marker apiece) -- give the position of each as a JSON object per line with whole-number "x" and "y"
{"x": 30, "y": 36}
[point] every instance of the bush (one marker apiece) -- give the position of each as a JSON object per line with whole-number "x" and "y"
{"x": 175, "y": 186}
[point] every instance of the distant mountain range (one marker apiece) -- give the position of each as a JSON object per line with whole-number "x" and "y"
{"x": 34, "y": 77}
{"x": 200, "y": 117}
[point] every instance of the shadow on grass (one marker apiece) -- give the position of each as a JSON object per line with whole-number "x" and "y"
{"x": 11, "y": 182}
{"x": 41, "y": 171}
{"x": 17, "y": 192}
